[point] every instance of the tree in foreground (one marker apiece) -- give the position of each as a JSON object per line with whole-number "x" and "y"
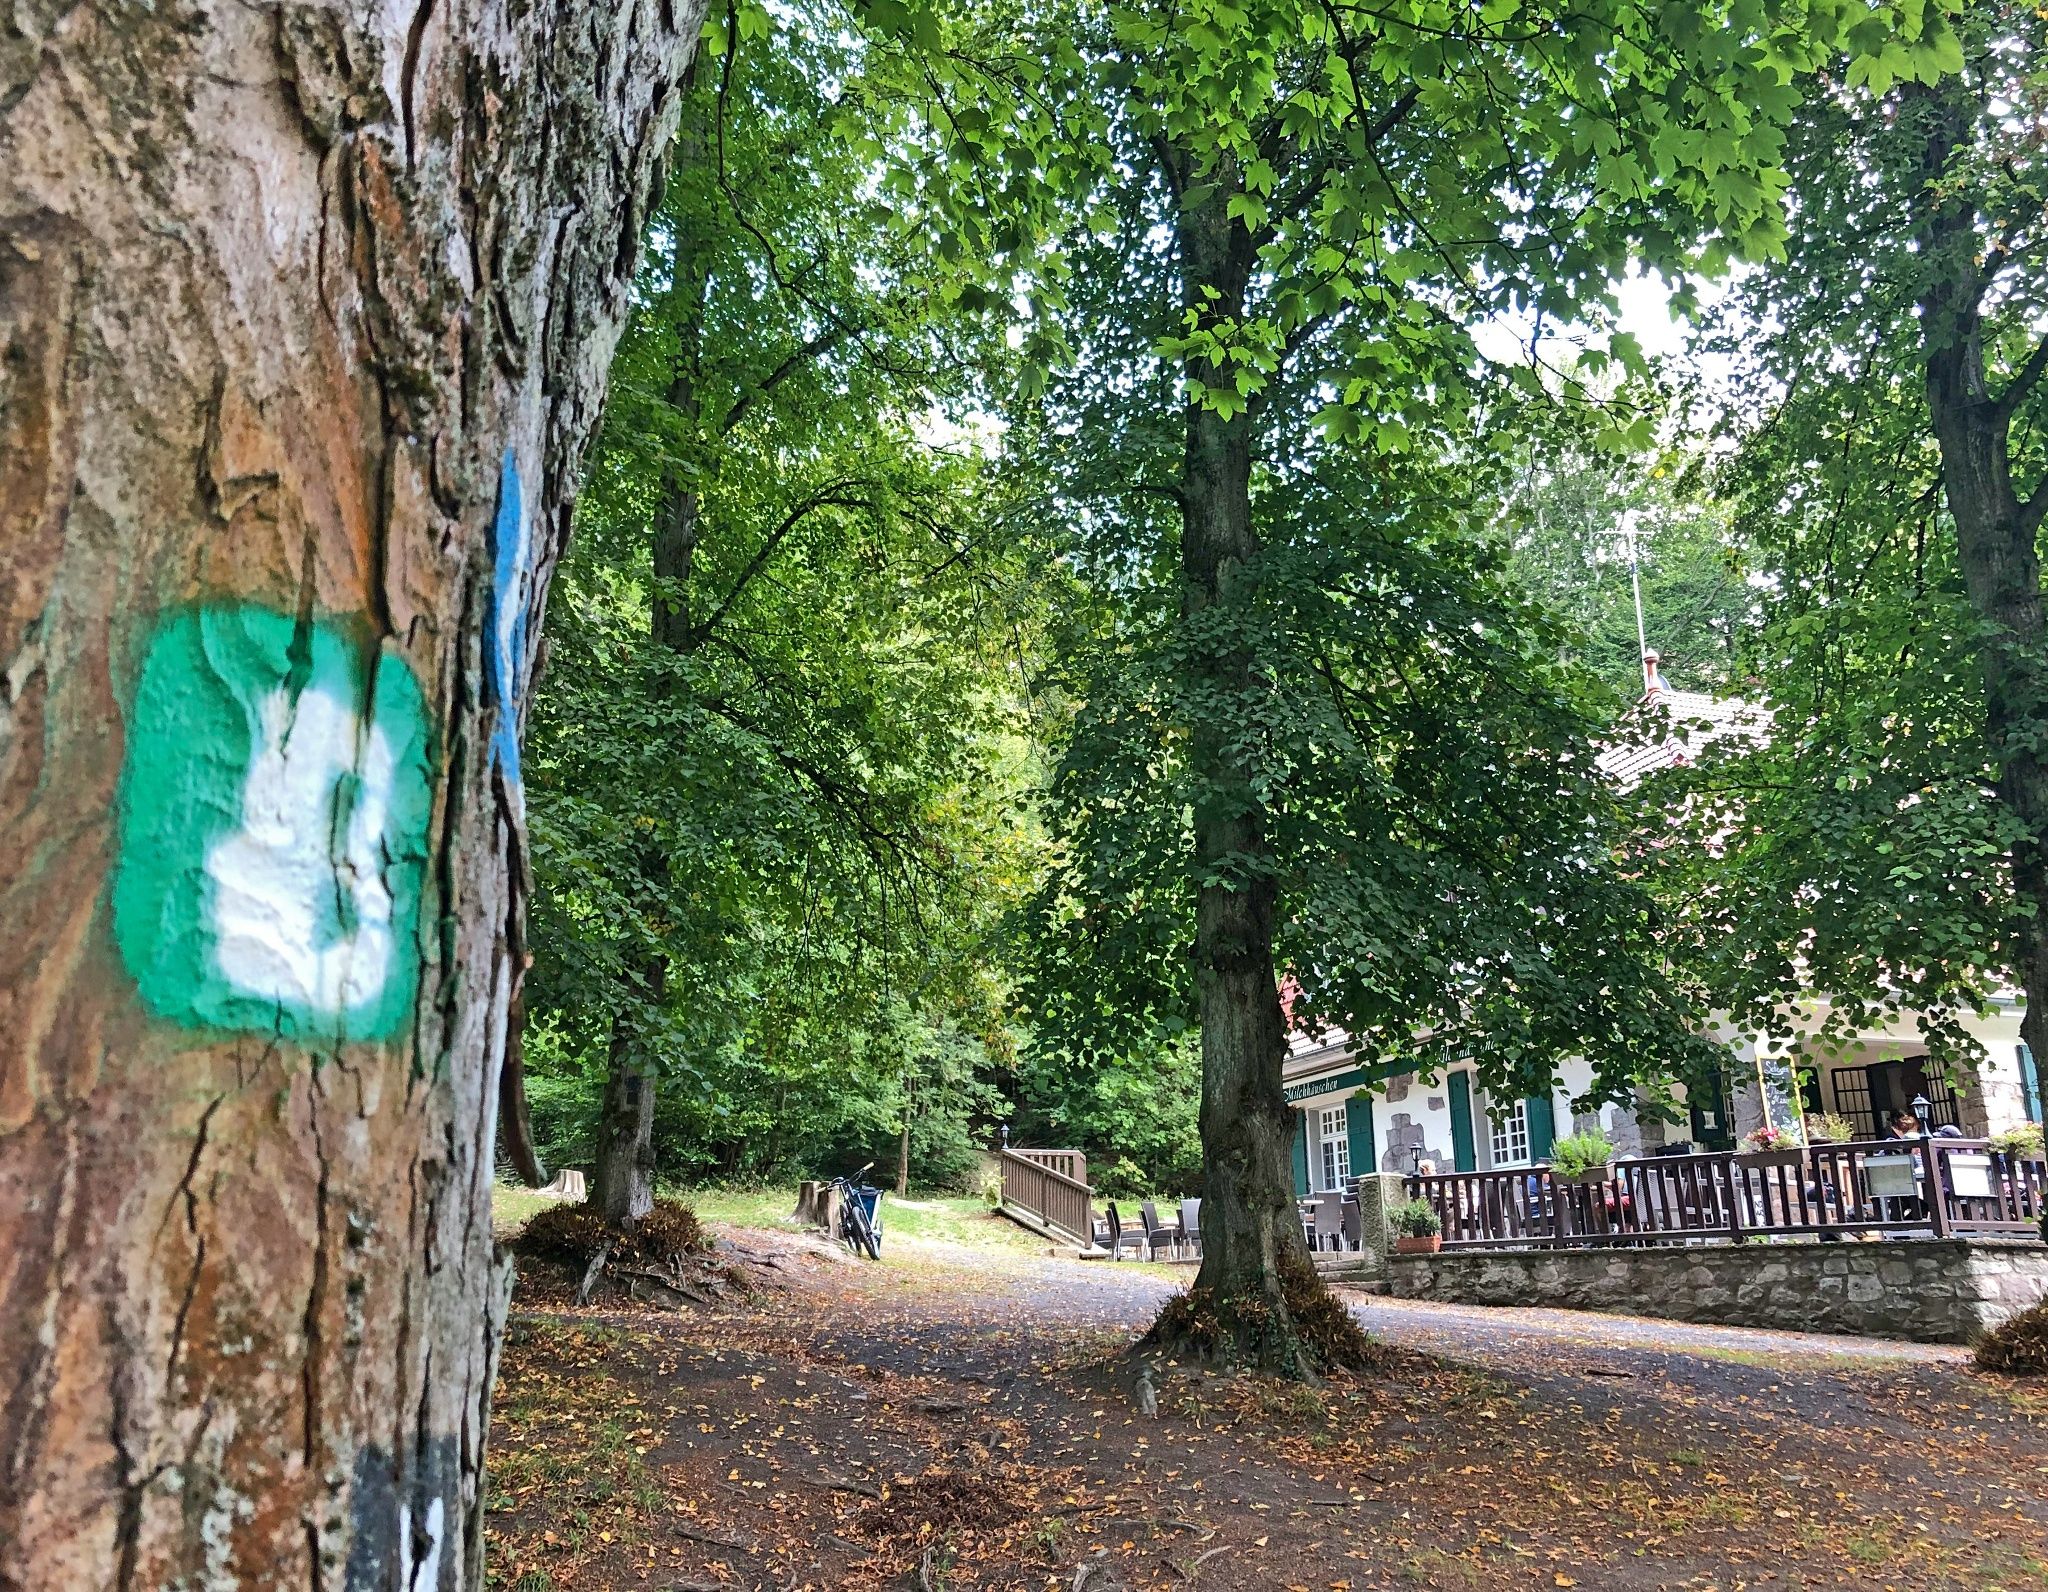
{"x": 1303, "y": 210}
{"x": 306, "y": 315}
{"x": 1890, "y": 844}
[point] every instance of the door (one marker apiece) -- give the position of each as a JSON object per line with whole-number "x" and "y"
{"x": 1711, "y": 1128}
{"x": 1894, "y": 1084}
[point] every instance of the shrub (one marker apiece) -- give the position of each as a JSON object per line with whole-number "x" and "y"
{"x": 1580, "y": 1152}
{"x": 2018, "y": 1347}
{"x": 2023, "y": 1141}
{"x": 1414, "y": 1219}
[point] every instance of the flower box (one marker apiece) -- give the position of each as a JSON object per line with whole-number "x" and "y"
{"x": 1414, "y": 1244}
{"x": 1591, "y": 1175}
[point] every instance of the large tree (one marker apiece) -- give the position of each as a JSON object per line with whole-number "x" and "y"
{"x": 305, "y": 317}
{"x": 1315, "y": 203}
{"x": 766, "y": 785}
{"x": 1890, "y": 842}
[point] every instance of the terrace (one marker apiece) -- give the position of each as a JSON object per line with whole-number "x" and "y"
{"x": 1871, "y": 1187}
{"x": 1761, "y": 1239}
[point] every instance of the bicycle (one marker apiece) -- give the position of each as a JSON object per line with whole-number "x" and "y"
{"x": 860, "y": 1214}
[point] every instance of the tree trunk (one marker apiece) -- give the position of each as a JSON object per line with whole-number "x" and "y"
{"x": 903, "y": 1156}
{"x": 1256, "y": 1277}
{"x": 625, "y": 1133}
{"x": 305, "y": 316}
{"x": 1995, "y": 531}
{"x": 622, "y": 1181}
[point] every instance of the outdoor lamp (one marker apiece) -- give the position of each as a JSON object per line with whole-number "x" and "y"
{"x": 1415, "y": 1161}
{"x": 1923, "y": 1112}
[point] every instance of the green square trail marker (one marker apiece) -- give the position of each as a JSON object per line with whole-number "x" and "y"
{"x": 275, "y": 803}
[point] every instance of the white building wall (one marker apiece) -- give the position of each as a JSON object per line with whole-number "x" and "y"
{"x": 1412, "y": 1114}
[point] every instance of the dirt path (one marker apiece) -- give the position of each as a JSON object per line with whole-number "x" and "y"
{"x": 964, "y": 1419}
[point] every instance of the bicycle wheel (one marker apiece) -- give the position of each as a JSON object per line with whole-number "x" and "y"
{"x": 862, "y": 1237}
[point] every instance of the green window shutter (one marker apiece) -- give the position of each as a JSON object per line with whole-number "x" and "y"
{"x": 1463, "y": 1156}
{"x": 2030, "y": 1084}
{"x": 1542, "y": 1127}
{"x": 1300, "y": 1154}
{"x": 1358, "y": 1124}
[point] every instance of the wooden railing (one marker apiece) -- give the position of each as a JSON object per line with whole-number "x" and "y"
{"x": 1048, "y": 1189}
{"x": 1830, "y": 1188}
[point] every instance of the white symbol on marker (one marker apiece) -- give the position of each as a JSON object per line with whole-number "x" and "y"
{"x": 314, "y": 809}
{"x": 425, "y": 1572}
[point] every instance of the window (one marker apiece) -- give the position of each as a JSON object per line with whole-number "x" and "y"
{"x": 1511, "y": 1134}
{"x": 2030, "y": 1085}
{"x": 1336, "y": 1138}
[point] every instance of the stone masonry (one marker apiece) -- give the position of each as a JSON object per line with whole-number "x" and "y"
{"x": 1935, "y": 1290}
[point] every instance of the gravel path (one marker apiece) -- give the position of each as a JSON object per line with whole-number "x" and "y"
{"x": 974, "y": 1409}
{"x": 1486, "y": 1330}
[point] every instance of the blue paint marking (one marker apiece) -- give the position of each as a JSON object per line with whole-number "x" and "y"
{"x": 505, "y": 615}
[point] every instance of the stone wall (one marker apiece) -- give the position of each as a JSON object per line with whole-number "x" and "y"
{"x": 1374, "y": 1193}
{"x": 1937, "y": 1290}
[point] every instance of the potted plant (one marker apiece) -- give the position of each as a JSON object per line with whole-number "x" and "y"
{"x": 1582, "y": 1158}
{"x": 1824, "y": 1127}
{"x": 1772, "y": 1146}
{"x": 1416, "y": 1227}
{"x": 2019, "y": 1144}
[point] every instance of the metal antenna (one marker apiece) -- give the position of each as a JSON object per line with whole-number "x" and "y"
{"x": 1629, "y": 518}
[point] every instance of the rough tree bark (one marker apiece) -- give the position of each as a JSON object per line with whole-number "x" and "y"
{"x": 1256, "y": 1279}
{"x": 1996, "y": 529}
{"x": 305, "y": 314}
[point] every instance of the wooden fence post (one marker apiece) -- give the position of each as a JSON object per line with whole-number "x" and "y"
{"x": 1936, "y": 1199}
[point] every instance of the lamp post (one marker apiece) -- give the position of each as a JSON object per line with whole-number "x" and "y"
{"x": 1923, "y": 1113}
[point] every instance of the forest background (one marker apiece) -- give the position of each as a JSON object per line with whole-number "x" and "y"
{"x": 843, "y": 666}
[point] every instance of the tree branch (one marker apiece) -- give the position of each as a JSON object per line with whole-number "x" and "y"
{"x": 2023, "y": 382}
{"x": 838, "y": 495}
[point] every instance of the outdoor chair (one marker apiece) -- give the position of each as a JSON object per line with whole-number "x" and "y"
{"x": 1158, "y": 1235}
{"x": 1354, "y": 1223}
{"x": 1120, "y": 1235}
{"x": 1327, "y": 1224}
{"x": 1191, "y": 1226}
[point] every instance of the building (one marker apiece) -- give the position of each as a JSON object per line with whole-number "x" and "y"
{"x": 1355, "y": 1115}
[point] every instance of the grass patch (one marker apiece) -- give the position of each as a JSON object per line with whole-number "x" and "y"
{"x": 1434, "y": 1567}
{"x": 923, "y": 1219}
{"x": 513, "y": 1205}
{"x": 568, "y": 1481}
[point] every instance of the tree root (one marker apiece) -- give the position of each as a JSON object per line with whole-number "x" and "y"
{"x": 593, "y": 1271}
{"x": 1297, "y": 1329}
